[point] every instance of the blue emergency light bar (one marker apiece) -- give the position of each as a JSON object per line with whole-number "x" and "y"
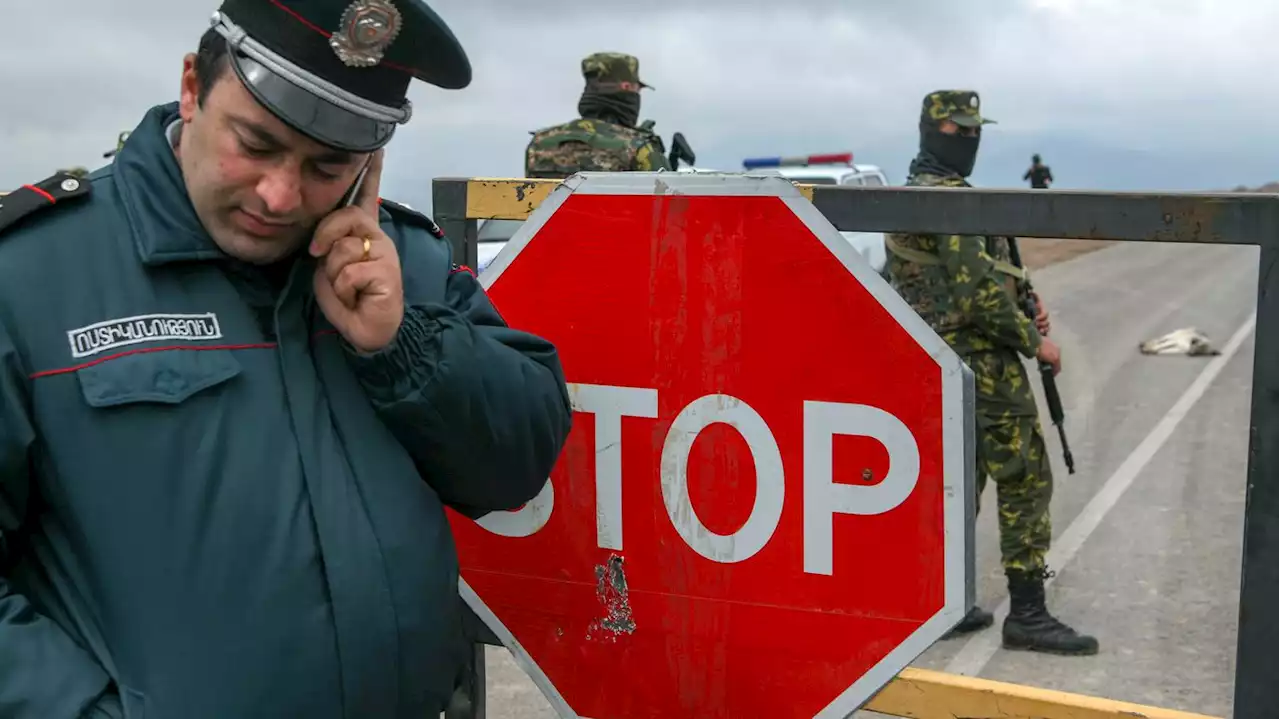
{"x": 839, "y": 158}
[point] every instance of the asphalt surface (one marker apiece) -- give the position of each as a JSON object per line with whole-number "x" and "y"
{"x": 1148, "y": 530}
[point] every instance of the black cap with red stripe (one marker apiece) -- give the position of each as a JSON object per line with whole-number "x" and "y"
{"x": 339, "y": 70}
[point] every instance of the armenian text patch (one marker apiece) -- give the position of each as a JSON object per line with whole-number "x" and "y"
{"x": 111, "y": 334}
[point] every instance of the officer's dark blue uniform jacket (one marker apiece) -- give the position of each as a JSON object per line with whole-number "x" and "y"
{"x": 212, "y": 507}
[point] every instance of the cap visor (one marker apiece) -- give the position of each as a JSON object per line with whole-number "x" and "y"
{"x": 309, "y": 114}
{"x": 436, "y": 57}
{"x": 969, "y": 120}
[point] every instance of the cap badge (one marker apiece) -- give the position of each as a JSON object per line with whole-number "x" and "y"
{"x": 366, "y": 30}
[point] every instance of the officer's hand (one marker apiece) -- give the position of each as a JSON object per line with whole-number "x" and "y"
{"x": 362, "y": 296}
{"x": 1042, "y": 315}
{"x": 1050, "y": 353}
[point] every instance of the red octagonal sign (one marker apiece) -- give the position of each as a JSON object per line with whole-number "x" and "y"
{"x": 761, "y": 509}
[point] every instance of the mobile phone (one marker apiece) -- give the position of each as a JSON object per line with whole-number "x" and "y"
{"x": 349, "y": 199}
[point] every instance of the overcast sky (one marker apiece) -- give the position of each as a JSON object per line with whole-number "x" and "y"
{"x": 1114, "y": 94}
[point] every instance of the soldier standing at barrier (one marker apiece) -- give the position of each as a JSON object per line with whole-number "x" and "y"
{"x": 238, "y": 390}
{"x": 1038, "y": 174}
{"x": 605, "y": 137}
{"x": 963, "y": 287}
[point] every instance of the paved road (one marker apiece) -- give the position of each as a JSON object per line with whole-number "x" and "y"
{"x": 1153, "y": 571}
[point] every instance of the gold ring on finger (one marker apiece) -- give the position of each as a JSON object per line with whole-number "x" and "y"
{"x": 368, "y": 243}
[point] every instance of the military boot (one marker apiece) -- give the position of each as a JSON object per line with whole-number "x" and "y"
{"x": 1030, "y": 626}
{"x": 977, "y": 618}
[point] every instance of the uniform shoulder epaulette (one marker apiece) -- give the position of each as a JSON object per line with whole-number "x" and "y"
{"x": 18, "y": 204}
{"x": 402, "y": 211}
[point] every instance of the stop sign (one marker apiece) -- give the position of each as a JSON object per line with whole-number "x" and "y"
{"x": 762, "y": 507}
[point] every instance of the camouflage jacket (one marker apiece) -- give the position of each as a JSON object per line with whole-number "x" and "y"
{"x": 956, "y": 284}
{"x": 592, "y": 145}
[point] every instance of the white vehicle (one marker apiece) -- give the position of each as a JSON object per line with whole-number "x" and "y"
{"x": 837, "y": 169}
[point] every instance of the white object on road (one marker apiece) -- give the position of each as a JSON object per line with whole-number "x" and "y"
{"x": 1186, "y": 341}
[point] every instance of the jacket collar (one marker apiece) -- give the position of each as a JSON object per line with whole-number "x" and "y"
{"x": 161, "y": 217}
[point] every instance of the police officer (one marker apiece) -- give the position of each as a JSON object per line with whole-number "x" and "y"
{"x": 605, "y": 137}
{"x": 238, "y": 390}
{"x": 962, "y": 286}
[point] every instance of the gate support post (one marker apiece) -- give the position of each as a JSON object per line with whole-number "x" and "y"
{"x": 1255, "y": 689}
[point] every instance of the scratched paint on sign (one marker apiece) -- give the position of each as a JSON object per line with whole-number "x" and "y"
{"x": 611, "y": 588}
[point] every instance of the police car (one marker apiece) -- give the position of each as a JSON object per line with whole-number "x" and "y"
{"x": 829, "y": 169}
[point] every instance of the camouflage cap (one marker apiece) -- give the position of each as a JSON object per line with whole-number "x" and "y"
{"x": 959, "y": 106}
{"x": 613, "y": 71}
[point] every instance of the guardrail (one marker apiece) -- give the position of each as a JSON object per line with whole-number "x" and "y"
{"x": 1211, "y": 218}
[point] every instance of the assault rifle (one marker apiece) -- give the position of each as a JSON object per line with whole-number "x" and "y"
{"x": 680, "y": 149}
{"x": 1028, "y": 303}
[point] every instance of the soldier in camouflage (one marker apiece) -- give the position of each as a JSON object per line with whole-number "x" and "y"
{"x": 119, "y": 145}
{"x": 963, "y": 286}
{"x": 605, "y": 137}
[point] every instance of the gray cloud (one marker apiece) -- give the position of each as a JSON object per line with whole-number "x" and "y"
{"x": 1165, "y": 94}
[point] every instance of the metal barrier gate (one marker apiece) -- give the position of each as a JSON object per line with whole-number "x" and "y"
{"x": 1211, "y": 218}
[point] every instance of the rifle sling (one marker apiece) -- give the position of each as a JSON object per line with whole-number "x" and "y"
{"x": 921, "y": 257}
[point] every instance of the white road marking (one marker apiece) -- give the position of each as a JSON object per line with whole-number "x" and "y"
{"x": 978, "y": 650}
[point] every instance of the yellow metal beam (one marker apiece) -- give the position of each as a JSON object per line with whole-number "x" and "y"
{"x": 503, "y": 198}
{"x": 506, "y": 199}
{"x": 924, "y": 694}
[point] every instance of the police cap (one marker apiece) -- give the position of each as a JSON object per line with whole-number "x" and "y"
{"x": 338, "y": 71}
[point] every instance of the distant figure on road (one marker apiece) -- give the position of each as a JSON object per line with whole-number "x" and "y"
{"x": 963, "y": 286}
{"x": 605, "y": 138}
{"x": 1039, "y": 174}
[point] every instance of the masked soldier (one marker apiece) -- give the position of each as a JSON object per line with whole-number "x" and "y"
{"x": 963, "y": 286}
{"x": 605, "y": 138}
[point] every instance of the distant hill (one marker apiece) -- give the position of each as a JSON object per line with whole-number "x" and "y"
{"x": 1269, "y": 187}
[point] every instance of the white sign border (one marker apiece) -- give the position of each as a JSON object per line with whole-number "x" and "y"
{"x": 957, "y": 400}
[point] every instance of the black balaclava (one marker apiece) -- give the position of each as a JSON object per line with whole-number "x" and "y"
{"x": 621, "y": 107}
{"x": 956, "y": 153}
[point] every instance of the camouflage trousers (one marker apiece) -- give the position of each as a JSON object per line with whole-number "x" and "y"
{"x": 1011, "y": 452}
